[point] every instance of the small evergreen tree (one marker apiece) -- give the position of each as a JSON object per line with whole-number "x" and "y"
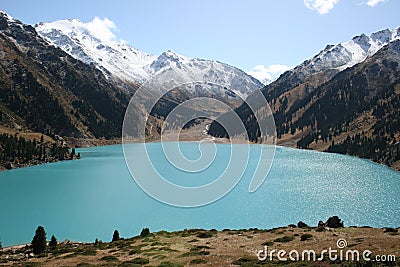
{"x": 145, "y": 232}
{"x": 72, "y": 153}
{"x": 96, "y": 242}
{"x": 39, "y": 241}
{"x": 53, "y": 242}
{"x": 115, "y": 236}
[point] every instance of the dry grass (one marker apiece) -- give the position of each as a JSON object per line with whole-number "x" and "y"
{"x": 221, "y": 248}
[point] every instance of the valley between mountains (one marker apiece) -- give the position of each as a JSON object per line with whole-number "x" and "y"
{"x": 59, "y": 80}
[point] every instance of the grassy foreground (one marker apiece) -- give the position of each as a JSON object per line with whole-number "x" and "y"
{"x": 197, "y": 247}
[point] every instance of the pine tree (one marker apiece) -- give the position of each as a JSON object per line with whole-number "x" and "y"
{"x": 53, "y": 242}
{"x": 72, "y": 153}
{"x": 145, "y": 232}
{"x": 115, "y": 236}
{"x": 39, "y": 241}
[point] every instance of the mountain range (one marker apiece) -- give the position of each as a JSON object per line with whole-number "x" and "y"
{"x": 60, "y": 78}
{"x": 118, "y": 60}
{"x": 345, "y": 99}
{"x": 65, "y": 81}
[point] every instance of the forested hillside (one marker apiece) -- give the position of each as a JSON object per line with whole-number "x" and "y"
{"x": 352, "y": 112}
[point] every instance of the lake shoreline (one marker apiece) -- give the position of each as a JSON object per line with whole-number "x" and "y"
{"x": 86, "y": 143}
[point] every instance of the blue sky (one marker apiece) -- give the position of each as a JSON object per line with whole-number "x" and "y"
{"x": 241, "y": 33}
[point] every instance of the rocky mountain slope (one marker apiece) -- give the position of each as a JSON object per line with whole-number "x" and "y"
{"x": 44, "y": 89}
{"x": 345, "y": 99}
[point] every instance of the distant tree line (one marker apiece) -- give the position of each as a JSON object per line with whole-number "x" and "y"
{"x": 16, "y": 149}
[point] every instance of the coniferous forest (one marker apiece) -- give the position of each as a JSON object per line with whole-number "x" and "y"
{"x": 16, "y": 151}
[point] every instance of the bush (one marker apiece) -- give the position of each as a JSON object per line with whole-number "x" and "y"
{"x": 334, "y": 222}
{"x": 135, "y": 250}
{"x": 109, "y": 258}
{"x": 129, "y": 264}
{"x": 195, "y": 253}
{"x": 145, "y": 232}
{"x": 246, "y": 261}
{"x": 268, "y": 243}
{"x": 284, "y": 239}
{"x": 141, "y": 261}
{"x": 301, "y": 224}
{"x": 197, "y": 261}
{"x": 204, "y": 235}
{"x": 305, "y": 237}
{"x": 170, "y": 264}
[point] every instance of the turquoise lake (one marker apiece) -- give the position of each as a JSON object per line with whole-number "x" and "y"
{"x": 85, "y": 199}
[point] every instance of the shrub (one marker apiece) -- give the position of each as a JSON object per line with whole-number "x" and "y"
{"x": 135, "y": 250}
{"x": 301, "y": 224}
{"x": 197, "y": 261}
{"x": 204, "y": 235}
{"x": 334, "y": 222}
{"x": 284, "y": 239}
{"x": 246, "y": 261}
{"x": 109, "y": 258}
{"x": 141, "y": 261}
{"x": 305, "y": 237}
{"x": 129, "y": 264}
{"x": 170, "y": 264}
{"x": 268, "y": 243}
{"x": 390, "y": 230}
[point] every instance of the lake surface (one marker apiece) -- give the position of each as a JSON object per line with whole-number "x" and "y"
{"x": 88, "y": 198}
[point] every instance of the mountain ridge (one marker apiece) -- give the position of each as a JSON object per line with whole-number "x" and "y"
{"x": 45, "y": 90}
{"x": 350, "y": 111}
{"x": 74, "y": 37}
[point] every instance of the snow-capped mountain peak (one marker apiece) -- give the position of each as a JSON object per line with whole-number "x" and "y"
{"x": 347, "y": 54}
{"x": 6, "y": 16}
{"x": 85, "y": 43}
{"x": 118, "y": 59}
{"x": 168, "y": 59}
